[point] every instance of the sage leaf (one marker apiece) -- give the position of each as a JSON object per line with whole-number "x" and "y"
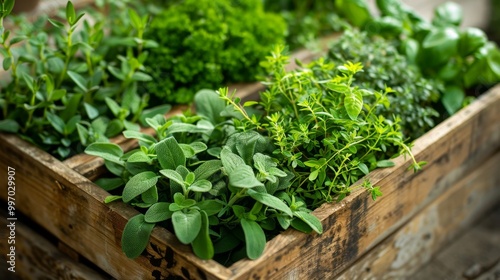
{"x": 202, "y": 245}
{"x": 135, "y": 236}
{"x": 311, "y": 220}
{"x": 173, "y": 175}
{"x": 243, "y": 177}
{"x": 271, "y": 201}
{"x": 201, "y": 186}
{"x": 108, "y": 151}
{"x": 207, "y": 169}
{"x": 255, "y": 239}
{"x": 158, "y": 212}
{"x": 186, "y": 225}
{"x": 170, "y": 154}
{"x": 230, "y": 161}
{"x": 139, "y": 184}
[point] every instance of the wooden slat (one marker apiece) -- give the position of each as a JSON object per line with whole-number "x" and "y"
{"x": 411, "y": 246}
{"x": 357, "y": 224}
{"x": 37, "y": 258}
{"x": 71, "y": 208}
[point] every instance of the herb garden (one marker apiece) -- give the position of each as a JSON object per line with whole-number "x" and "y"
{"x": 190, "y": 139}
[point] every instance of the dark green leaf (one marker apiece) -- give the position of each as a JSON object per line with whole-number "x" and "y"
{"x": 170, "y": 154}
{"x": 158, "y": 212}
{"x": 202, "y": 245}
{"x": 452, "y": 99}
{"x": 270, "y": 201}
{"x": 255, "y": 239}
{"x": 109, "y": 184}
{"x": 311, "y": 220}
{"x": 135, "y": 236}
{"x": 108, "y": 151}
{"x": 186, "y": 225}
{"x": 9, "y": 126}
{"x": 139, "y": 184}
{"x": 79, "y": 80}
{"x": 56, "y": 122}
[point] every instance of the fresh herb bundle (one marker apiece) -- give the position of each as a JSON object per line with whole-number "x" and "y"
{"x": 413, "y": 98}
{"x": 69, "y": 86}
{"x": 461, "y": 58}
{"x": 326, "y": 130}
{"x": 216, "y": 188}
{"x": 208, "y": 44}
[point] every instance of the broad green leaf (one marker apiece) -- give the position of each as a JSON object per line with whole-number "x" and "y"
{"x": 230, "y": 161}
{"x": 152, "y": 112}
{"x": 207, "y": 169}
{"x": 353, "y": 103}
{"x": 202, "y": 245}
{"x": 186, "y": 225}
{"x": 135, "y": 19}
{"x": 7, "y": 62}
{"x": 148, "y": 139}
{"x": 243, "y": 177}
{"x": 135, "y": 236}
{"x": 173, "y": 175}
{"x": 198, "y": 147}
{"x": 209, "y": 105}
{"x": 108, "y": 151}
{"x": 139, "y": 184}
{"x": 113, "y": 106}
{"x": 158, "y": 212}
{"x": 211, "y": 207}
{"x": 170, "y": 154}
{"x": 150, "y": 196}
{"x": 311, "y": 220}
{"x": 109, "y": 184}
{"x": 79, "y": 80}
{"x": 439, "y": 46}
{"x": 452, "y": 99}
{"x": 139, "y": 156}
{"x": 70, "y": 13}
{"x": 201, "y": 186}
{"x": 92, "y": 111}
{"x": 355, "y": 11}
{"x": 187, "y": 150}
{"x": 448, "y": 14}
{"x": 385, "y": 163}
{"x": 255, "y": 239}
{"x": 56, "y": 122}
{"x": 471, "y": 39}
{"x": 9, "y": 125}
{"x": 270, "y": 200}
{"x": 363, "y": 168}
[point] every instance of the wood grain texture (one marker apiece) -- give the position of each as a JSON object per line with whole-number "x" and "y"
{"x": 357, "y": 224}
{"x": 37, "y": 258}
{"x": 71, "y": 208}
{"x": 414, "y": 244}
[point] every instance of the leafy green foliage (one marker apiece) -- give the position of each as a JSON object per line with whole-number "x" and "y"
{"x": 207, "y": 44}
{"x": 80, "y": 89}
{"x": 460, "y": 58}
{"x": 413, "y": 97}
{"x": 204, "y": 180}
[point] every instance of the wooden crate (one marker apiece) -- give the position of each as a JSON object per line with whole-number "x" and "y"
{"x": 70, "y": 206}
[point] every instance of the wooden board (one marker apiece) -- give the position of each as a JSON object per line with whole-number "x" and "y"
{"x": 70, "y": 207}
{"x": 411, "y": 246}
{"x": 38, "y": 258}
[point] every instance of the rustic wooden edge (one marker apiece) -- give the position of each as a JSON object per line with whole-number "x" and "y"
{"x": 38, "y": 258}
{"x": 357, "y": 224}
{"x": 71, "y": 208}
{"x": 407, "y": 249}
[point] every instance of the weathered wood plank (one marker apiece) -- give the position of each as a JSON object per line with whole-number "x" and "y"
{"x": 357, "y": 224}
{"x": 473, "y": 255}
{"x": 71, "y": 208}
{"x": 414, "y": 244}
{"x": 37, "y": 258}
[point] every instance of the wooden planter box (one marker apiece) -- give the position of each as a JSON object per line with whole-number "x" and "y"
{"x": 459, "y": 183}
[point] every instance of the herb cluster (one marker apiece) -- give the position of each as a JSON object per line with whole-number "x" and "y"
{"x": 208, "y": 44}
{"x": 413, "y": 98}
{"x": 71, "y": 84}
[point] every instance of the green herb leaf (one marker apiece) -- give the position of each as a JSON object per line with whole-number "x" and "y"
{"x": 186, "y": 225}
{"x": 201, "y": 186}
{"x": 158, "y": 212}
{"x": 173, "y": 175}
{"x": 202, "y": 245}
{"x": 271, "y": 201}
{"x": 135, "y": 236}
{"x": 170, "y": 154}
{"x": 255, "y": 239}
{"x": 243, "y": 177}
{"x": 108, "y": 151}
{"x": 385, "y": 163}
{"x": 109, "y": 184}
{"x": 139, "y": 184}
{"x": 353, "y": 104}
{"x": 207, "y": 169}
{"x": 310, "y": 220}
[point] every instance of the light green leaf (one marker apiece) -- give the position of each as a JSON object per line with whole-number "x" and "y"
{"x": 201, "y": 186}
{"x": 243, "y": 177}
{"x": 132, "y": 134}
{"x": 385, "y": 163}
{"x": 207, "y": 169}
{"x": 271, "y": 201}
{"x": 211, "y": 207}
{"x": 79, "y": 80}
{"x": 135, "y": 236}
{"x": 158, "y": 212}
{"x": 92, "y": 111}
{"x": 230, "y": 161}
{"x": 202, "y": 245}
{"x": 311, "y": 220}
{"x": 173, "y": 175}
{"x": 255, "y": 239}
{"x": 363, "y": 168}
{"x": 353, "y": 103}
{"x": 139, "y": 184}
{"x": 209, "y": 105}
{"x": 186, "y": 225}
{"x": 170, "y": 154}
{"x": 108, "y": 151}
